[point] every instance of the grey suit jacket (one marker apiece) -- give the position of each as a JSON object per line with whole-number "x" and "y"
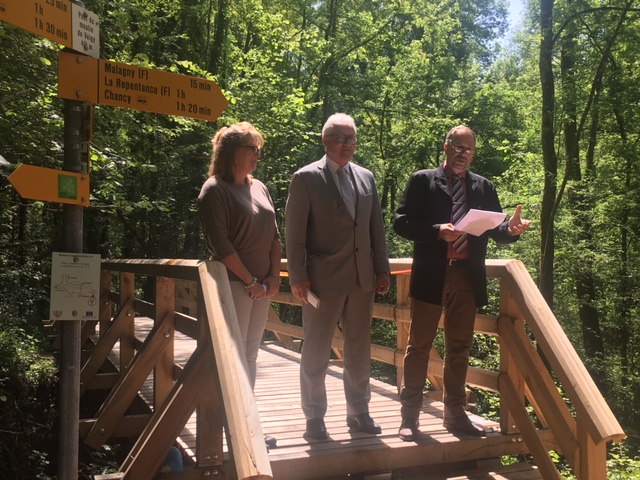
{"x": 324, "y": 245}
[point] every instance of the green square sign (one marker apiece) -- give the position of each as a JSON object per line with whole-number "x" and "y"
{"x": 67, "y": 187}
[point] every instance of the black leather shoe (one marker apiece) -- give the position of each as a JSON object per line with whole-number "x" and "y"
{"x": 464, "y": 426}
{"x": 316, "y": 429}
{"x": 270, "y": 441}
{"x": 409, "y": 429}
{"x": 363, "y": 423}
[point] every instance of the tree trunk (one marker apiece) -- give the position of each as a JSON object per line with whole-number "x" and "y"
{"x": 549, "y": 157}
{"x": 580, "y": 205}
{"x": 219, "y": 36}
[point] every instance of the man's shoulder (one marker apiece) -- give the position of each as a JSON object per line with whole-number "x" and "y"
{"x": 428, "y": 173}
{"x": 479, "y": 178}
{"x": 311, "y": 168}
{"x": 360, "y": 170}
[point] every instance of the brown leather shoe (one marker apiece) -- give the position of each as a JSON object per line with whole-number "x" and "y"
{"x": 316, "y": 429}
{"x": 464, "y": 426}
{"x": 409, "y": 429}
{"x": 363, "y": 423}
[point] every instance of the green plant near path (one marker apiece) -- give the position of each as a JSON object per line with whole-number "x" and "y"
{"x": 28, "y": 387}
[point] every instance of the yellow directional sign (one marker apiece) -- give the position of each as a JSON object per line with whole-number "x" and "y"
{"x": 48, "y": 185}
{"x": 60, "y": 21}
{"x": 128, "y": 86}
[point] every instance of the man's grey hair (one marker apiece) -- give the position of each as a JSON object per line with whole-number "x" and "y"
{"x": 337, "y": 118}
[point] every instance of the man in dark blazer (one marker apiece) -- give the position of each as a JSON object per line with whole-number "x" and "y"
{"x": 336, "y": 248}
{"x": 448, "y": 273}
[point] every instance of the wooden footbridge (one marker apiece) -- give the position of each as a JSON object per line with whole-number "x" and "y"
{"x": 167, "y": 340}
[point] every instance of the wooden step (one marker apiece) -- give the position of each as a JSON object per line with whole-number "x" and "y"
{"x": 518, "y": 471}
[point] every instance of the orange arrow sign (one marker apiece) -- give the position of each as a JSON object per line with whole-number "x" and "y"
{"x": 48, "y": 185}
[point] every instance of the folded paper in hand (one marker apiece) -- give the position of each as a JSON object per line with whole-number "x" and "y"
{"x": 313, "y": 299}
{"x": 476, "y": 222}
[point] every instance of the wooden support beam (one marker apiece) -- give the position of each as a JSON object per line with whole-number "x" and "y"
{"x": 246, "y": 437}
{"x": 128, "y": 335}
{"x": 105, "y": 345}
{"x": 119, "y": 399}
{"x": 147, "y": 455}
{"x": 548, "y": 400}
{"x": 163, "y": 373}
{"x": 510, "y": 395}
{"x": 106, "y": 304}
{"x": 592, "y": 464}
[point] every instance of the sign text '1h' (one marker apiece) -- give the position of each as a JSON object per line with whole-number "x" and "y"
{"x": 128, "y": 86}
{"x": 60, "y": 21}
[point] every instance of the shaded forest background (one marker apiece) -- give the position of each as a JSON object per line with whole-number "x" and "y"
{"x": 556, "y": 107}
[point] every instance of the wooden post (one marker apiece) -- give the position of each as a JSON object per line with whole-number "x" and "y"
{"x": 163, "y": 376}
{"x": 402, "y": 328}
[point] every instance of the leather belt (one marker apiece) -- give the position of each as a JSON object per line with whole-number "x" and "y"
{"x": 452, "y": 262}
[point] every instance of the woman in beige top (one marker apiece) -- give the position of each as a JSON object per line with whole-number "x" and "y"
{"x": 238, "y": 219}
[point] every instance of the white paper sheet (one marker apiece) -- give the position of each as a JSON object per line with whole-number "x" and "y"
{"x": 313, "y": 299}
{"x": 476, "y": 222}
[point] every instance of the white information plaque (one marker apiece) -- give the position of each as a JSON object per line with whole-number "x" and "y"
{"x": 75, "y": 286}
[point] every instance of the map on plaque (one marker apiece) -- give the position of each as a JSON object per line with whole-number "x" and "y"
{"x": 75, "y": 286}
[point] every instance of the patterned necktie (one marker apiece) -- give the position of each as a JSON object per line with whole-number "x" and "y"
{"x": 458, "y": 212}
{"x": 346, "y": 189}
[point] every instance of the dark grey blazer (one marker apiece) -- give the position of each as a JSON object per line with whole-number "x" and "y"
{"x": 425, "y": 205}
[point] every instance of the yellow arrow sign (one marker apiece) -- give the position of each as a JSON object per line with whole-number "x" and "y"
{"x": 128, "y": 86}
{"x": 60, "y": 21}
{"x": 48, "y": 185}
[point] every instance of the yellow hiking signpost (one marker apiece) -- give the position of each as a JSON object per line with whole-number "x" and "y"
{"x": 60, "y": 21}
{"x": 82, "y": 77}
{"x": 128, "y": 86}
{"x": 48, "y": 185}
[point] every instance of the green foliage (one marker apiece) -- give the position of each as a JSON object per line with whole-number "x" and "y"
{"x": 27, "y": 405}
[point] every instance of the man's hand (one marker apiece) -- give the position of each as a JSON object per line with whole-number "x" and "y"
{"x": 299, "y": 291}
{"x": 383, "y": 282}
{"x": 518, "y": 225}
{"x": 448, "y": 232}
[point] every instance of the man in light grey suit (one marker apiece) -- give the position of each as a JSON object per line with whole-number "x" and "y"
{"x": 336, "y": 248}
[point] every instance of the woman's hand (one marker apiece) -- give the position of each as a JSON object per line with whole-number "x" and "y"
{"x": 273, "y": 285}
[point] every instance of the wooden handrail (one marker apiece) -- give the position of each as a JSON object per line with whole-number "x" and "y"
{"x": 559, "y": 352}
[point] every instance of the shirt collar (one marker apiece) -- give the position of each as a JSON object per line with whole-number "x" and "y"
{"x": 333, "y": 166}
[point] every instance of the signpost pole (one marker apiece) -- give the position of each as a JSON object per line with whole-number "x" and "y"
{"x": 69, "y": 398}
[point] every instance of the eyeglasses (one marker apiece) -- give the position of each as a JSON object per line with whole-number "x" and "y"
{"x": 344, "y": 139}
{"x": 253, "y": 148}
{"x": 464, "y": 150}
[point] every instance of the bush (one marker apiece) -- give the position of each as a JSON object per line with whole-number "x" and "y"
{"x": 28, "y": 385}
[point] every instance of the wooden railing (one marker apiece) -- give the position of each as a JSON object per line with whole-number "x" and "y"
{"x": 211, "y": 382}
{"x": 524, "y": 327}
